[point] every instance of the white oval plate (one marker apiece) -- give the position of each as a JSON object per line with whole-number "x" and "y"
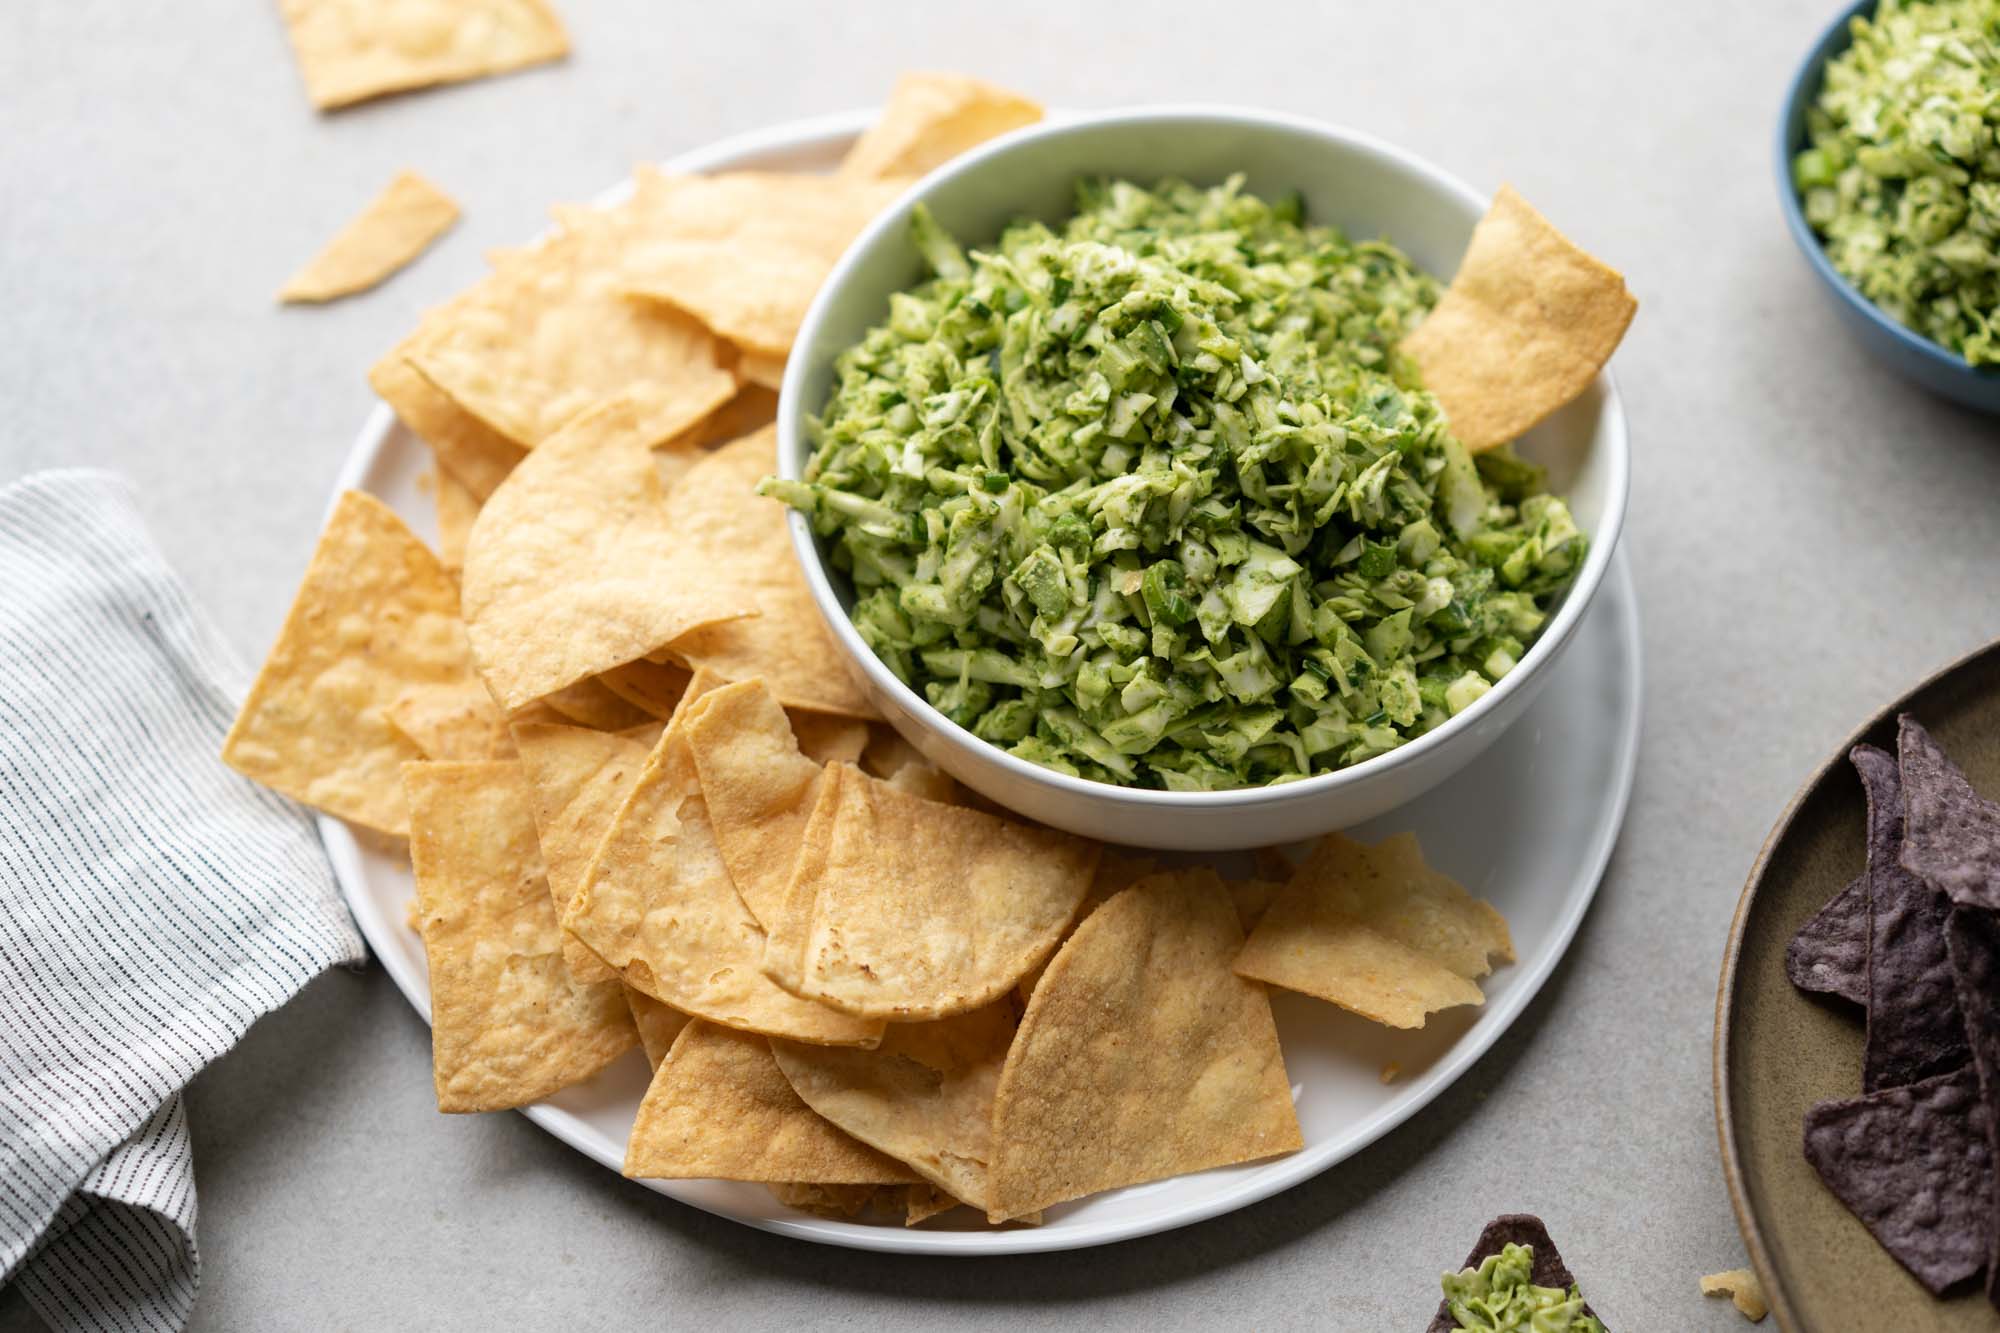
{"x": 1529, "y": 826}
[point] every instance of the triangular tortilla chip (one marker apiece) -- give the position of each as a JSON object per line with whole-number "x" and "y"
{"x": 719, "y": 1109}
{"x": 658, "y": 904}
{"x": 932, "y": 118}
{"x": 1525, "y": 326}
{"x": 924, "y": 1097}
{"x": 1377, "y": 931}
{"x": 573, "y": 568}
{"x": 1954, "y": 832}
{"x": 1141, "y": 1055}
{"x": 745, "y": 252}
{"x": 352, "y": 50}
{"x": 1829, "y": 953}
{"x": 508, "y": 1025}
{"x": 395, "y": 228}
{"x": 1549, "y": 1270}
{"x": 907, "y": 909}
{"x": 758, "y": 788}
{"x": 738, "y": 538}
{"x": 579, "y": 778}
{"x": 547, "y": 336}
{"x": 1117, "y": 870}
{"x": 375, "y": 616}
{"x": 658, "y": 1024}
{"x": 466, "y": 447}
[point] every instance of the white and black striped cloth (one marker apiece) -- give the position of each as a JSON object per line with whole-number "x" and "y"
{"x": 153, "y": 904}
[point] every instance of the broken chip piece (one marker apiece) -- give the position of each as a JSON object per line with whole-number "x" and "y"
{"x": 1829, "y": 953}
{"x": 396, "y": 226}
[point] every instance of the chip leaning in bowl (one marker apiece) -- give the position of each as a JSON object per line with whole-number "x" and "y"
{"x": 1158, "y": 498}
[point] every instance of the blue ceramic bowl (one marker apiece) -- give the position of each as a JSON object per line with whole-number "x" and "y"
{"x": 1908, "y": 352}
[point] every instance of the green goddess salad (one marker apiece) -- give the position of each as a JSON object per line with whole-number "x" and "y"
{"x": 1152, "y": 498}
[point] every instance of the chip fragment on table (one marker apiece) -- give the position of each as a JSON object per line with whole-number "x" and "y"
{"x": 352, "y": 50}
{"x": 395, "y": 227}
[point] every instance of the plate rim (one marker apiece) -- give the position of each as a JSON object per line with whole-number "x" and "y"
{"x": 344, "y": 849}
{"x": 1747, "y": 1221}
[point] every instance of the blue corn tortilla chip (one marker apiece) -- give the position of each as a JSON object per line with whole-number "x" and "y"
{"x": 1915, "y": 1164}
{"x": 1549, "y": 1270}
{"x": 1829, "y": 954}
{"x": 1972, "y": 938}
{"x": 1914, "y": 1027}
{"x": 1953, "y": 837}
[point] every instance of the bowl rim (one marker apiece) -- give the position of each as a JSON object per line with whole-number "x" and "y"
{"x": 1614, "y": 444}
{"x": 1834, "y": 38}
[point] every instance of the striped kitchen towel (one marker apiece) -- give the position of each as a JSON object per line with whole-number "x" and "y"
{"x": 153, "y": 904}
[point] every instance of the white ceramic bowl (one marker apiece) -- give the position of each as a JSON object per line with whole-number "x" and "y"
{"x": 1366, "y": 187}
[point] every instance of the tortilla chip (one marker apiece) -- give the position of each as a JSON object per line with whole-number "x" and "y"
{"x": 737, "y": 539}
{"x": 375, "y": 616}
{"x": 452, "y": 720}
{"x": 1829, "y": 954}
{"x": 924, "y": 1097}
{"x": 658, "y": 904}
{"x": 830, "y": 1201}
{"x": 1525, "y": 326}
{"x": 508, "y": 1025}
{"x": 1972, "y": 938}
{"x": 591, "y": 703}
{"x": 574, "y": 568}
{"x": 1376, "y": 931}
{"x": 909, "y": 910}
{"x": 352, "y": 50}
{"x": 396, "y": 227}
{"x": 1141, "y": 1055}
{"x": 658, "y": 1024}
{"x": 932, "y": 118}
{"x": 718, "y": 1109}
{"x": 745, "y": 252}
{"x": 653, "y": 688}
{"x": 1954, "y": 832}
{"x": 1742, "y": 1288}
{"x": 1548, "y": 1269}
{"x": 1117, "y": 870}
{"x": 478, "y": 456}
{"x": 579, "y": 778}
{"x": 546, "y": 337}
{"x": 758, "y": 788}
{"x": 1915, "y": 1164}
{"x": 1914, "y": 1027}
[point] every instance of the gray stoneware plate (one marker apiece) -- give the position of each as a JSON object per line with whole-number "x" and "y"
{"x": 1779, "y": 1050}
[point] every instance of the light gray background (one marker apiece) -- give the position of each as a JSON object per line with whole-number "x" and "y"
{"x": 1810, "y": 536}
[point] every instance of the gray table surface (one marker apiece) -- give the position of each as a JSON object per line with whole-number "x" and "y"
{"x": 1809, "y": 535}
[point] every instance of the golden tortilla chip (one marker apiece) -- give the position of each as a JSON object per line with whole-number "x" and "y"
{"x": 508, "y": 1025}
{"x": 579, "y": 778}
{"x": 924, "y": 1097}
{"x": 718, "y": 1109}
{"x": 375, "y": 616}
{"x": 590, "y": 703}
{"x": 457, "y": 507}
{"x": 658, "y": 1024}
{"x": 745, "y": 252}
{"x": 452, "y": 720}
{"x": 1377, "y": 931}
{"x": 478, "y": 456}
{"x": 396, "y": 227}
{"x": 1745, "y": 1292}
{"x": 908, "y": 909}
{"x": 1117, "y": 870}
{"x": 574, "y": 566}
{"x": 547, "y": 336}
{"x": 352, "y": 50}
{"x": 1141, "y": 1055}
{"x": 658, "y": 904}
{"x": 758, "y": 787}
{"x": 1525, "y": 326}
{"x": 738, "y": 539}
{"x": 932, "y": 118}
{"x": 653, "y": 688}
{"x": 826, "y": 739}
